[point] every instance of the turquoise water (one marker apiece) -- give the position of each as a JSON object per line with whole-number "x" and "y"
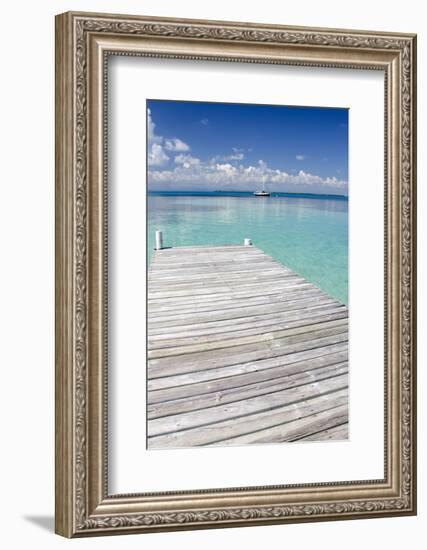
{"x": 307, "y": 234}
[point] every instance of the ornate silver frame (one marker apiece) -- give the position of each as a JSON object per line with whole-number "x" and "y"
{"x": 83, "y": 42}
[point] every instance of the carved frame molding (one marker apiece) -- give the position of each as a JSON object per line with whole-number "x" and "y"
{"x": 83, "y": 43}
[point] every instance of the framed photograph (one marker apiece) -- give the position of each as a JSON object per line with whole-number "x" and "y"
{"x": 235, "y": 274}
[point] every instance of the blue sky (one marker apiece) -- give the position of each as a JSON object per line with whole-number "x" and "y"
{"x": 226, "y": 146}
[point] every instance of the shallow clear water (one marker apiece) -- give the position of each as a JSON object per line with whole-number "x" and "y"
{"x": 309, "y": 235}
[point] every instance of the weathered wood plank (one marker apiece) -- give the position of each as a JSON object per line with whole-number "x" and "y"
{"x": 211, "y": 279}
{"x": 280, "y": 307}
{"x": 330, "y": 352}
{"x": 293, "y": 431}
{"x": 230, "y": 395}
{"x": 225, "y": 355}
{"x": 238, "y": 323}
{"x": 274, "y": 294}
{"x": 180, "y": 346}
{"x": 269, "y": 369}
{"x": 227, "y": 429}
{"x": 158, "y": 309}
{"x": 241, "y": 349}
{"x": 218, "y": 261}
{"x": 216, "y": 277}
{"x": 167, "y": 270}
{"x": 257, "y": 327}
{"x": 229, "y": 316}
{"x": 254, "y": 289}
{"x": 249, "y": 406}
{"x": 157, "y": 278}
{"x": 336, "y": 433}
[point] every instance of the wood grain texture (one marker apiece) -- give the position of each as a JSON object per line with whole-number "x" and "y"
{"x": 242, "y": 350}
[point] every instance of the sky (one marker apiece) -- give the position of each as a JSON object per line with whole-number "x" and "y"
{"x": 199, "y": 146}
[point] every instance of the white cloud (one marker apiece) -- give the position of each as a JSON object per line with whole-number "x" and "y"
{"x": 236, "y": 155}
{"x": 227, "y": 169}
{"x": 204, "y": 121}
{"x": 151, "y": 130}
{"x": 300, "y": 157}
{"x": 157, "y": 156}
{"x": 176, "y": 144}
{"x": 193, "y": 173}
{"x": 157, "y": 145}
{"x": 186, "y": 160}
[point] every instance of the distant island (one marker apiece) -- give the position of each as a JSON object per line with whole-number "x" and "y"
{"x": 249, "y": 194}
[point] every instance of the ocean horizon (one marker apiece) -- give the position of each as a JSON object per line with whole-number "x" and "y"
{"x": 220, "y": 192}
{"x": 306, "y": 232}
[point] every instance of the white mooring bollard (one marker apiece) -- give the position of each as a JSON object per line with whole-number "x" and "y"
{"x": 248, "y": 242}
{"x": 159, "y": 240}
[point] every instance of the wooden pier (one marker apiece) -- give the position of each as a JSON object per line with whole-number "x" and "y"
{"x": 241, "y": 350}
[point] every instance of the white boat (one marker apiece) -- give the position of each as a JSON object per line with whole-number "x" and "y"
{"x": 263, "y": 192}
